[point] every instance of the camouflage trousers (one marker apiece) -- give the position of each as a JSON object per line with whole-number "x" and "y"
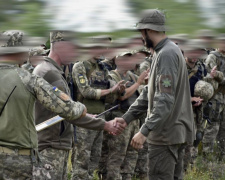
{"x": 165, "y": 162}
{"x": 191, "y": 150}
{"x": 190, "y": 156}
{"x": 122, "y": 158}
{"x": 215, "y": 130}
{"x": 55, "y": 161}
{"x": 141, "y": 169}
{"x": 20, "y": 167}
{"x": 87, "y": 153}
{"x": 15, "y": 167}
{"x": 104, "y": 156}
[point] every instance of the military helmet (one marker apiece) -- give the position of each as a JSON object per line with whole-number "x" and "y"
{"x": 205, "y": 33}
{"x": 221, "y": 37}
{"x": 38, "y": 51}
{"x": 12, "y": 42}
{"x": 62, "y": 35}
{"x": 152, "y": 19}
{"x": 203, "y": 90}
{"x": 194, "y": 44}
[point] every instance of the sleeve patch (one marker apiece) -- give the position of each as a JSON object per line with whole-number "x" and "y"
{"x": 165, "y": 84}
{"x": 82, "y": 80}
{"x": 64, "y": 96}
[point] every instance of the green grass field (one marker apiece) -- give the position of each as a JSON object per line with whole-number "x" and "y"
{"x": 209, "y": 168}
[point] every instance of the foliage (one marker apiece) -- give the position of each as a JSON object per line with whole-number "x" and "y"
{"x": 182, "y": 17}
{"x": 24, "y": 15}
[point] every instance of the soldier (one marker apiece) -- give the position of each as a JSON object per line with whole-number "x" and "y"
{"x": 122, "y": 157}
{"x": 208, "y": 36}
{"x": 167, "y": 94}
{"x": 94, "y": 88}
{"x": 143, "y": 60}
{"x": 196, "y": 72}
{"x": 18, "y": 144}
{"x": 141, "y": 169}
{"x": 216, "y": 115}
{"x": 179, "y": 39}
{"x": 35, "y": 57}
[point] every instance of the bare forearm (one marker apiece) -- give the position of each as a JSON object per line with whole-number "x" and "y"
{"x": 105, "y": 92}
{"x": 130, "y": 91}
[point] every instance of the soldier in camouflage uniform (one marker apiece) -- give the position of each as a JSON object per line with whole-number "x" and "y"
{"x": 216, "y": 115}
{"x": 196, "y": 72}
{"x": 141, "y": 169}
{"x": 56, "y": 141}
{"x": 18, "y": 145}
{"x": 122, "y": 157}
{"x": 94, "y": 88}
{"x": 208, "y": 36}
{"x": 35, "y": 57}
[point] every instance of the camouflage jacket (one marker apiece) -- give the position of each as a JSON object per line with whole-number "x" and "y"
{"x": 215, "y": 58}
{"x": 60, "y": 135}
{"x": 130, "y": 78}
{"x": 146, "y": 64}
{"x": 166, "y": 99}
{"x": 195, "y": 74}
{"x": 90, "y": 78}
{"x": 17, "y": 128}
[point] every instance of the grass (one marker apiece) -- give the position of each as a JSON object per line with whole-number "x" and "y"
{"x": 208, "y": 168}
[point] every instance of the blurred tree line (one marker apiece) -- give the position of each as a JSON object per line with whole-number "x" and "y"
{"x": 182, "y": 17}
{"x": 24, "y": 15}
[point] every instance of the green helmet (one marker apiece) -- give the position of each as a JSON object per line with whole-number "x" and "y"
{"x": 203, "y": 90}
{"x": 152, "y": 19}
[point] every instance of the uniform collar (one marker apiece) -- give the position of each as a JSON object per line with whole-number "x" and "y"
{"x": 54, "y": 64}
{"x": 160, "y": 45}
{"x": 9, "y": 63}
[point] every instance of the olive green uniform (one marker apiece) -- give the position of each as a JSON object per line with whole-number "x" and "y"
{"x": 56, "y": 141}
{"x": 169, "y": 123}
{"x": 18, "y": 136}
{"x": 217, "y": 127}
{"x": 121, "y": 157}
{"x": 89, "y": 78}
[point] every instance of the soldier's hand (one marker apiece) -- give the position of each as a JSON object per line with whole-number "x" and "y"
{"x": 142, "y": 77}
{"x": 122, "y": 87}
{"x": 148, "y": 71}
{"x": 138, "y": 140}
{"x": 118, "y": 121}
{"x": 84, "y": 113}
{"x": 213, "y": 72}
{"x": 116, "y": 87}
{"x": 196, "y": 101}
{"x": 112, "y": 128}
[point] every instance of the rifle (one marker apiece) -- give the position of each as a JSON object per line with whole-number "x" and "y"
{"x": 57, "y": 119}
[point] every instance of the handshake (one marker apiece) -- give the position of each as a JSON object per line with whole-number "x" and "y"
{"x": 115, "y": 126}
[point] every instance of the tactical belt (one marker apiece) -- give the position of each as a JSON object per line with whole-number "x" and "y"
{"x": 26, "y": 152}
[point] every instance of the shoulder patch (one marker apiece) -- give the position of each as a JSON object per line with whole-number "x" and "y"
{"x": 61, "y": 94}
{"x": 64, "y": 96}
{"x": 81, "y": 79}
{"x": 165, "y": 84}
